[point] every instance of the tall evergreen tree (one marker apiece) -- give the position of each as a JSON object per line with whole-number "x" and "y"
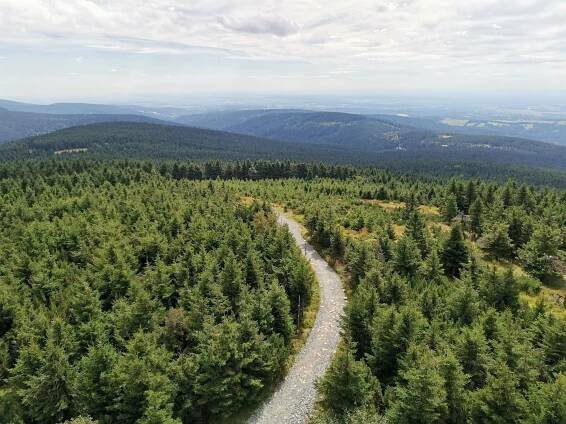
{"x": 450, "y": 208}
{"x": 423, "y": 398}
{"x": 498, "y": 243}
{"x": 454, "y": 253}
{"x": 407, "y": 257}
{"x": 348, "y": 384}
{"x": 476, "y": 218}
{"x": 539, "y": 254}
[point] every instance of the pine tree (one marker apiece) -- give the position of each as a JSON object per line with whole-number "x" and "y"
{"x": 358, "y": 260}
{"x": 498, "y": 243}
{"x": 539, "y": 254}
{"x": 464, "y": 305}
{"x": 454, "y": 253}
{"x": 358, "y": 316}
{"x": 455, "y": 381}
{"x": 547, "y": 402}
{"x": 508, "y": 292}
{"x": 97, "y": 394}
{"x": 450, "y": 209}
{"x": 422, "y": 397}
{"x": 471, "y": 195}
{"x": 500, "y": 401}
{"x": 407, "y": 257}
{"x": 392, "y": 334}
{"x": 348, "y": 383}
{"x": 472, "y": 351}
{"x": 519, "y": 229}
{"x": 432, "y": 270}
{"x": 44, "y": 378}
{"x": 280, "y": 311}
{"x": 416, "y": 229}
{"x": 476, "y": 217}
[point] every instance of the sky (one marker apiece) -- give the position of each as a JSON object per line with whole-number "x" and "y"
{"x": 130, "y": 49}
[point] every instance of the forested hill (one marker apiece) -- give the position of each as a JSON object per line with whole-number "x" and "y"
{"x": 16, "y": 124}
{"x": 149, "y": 141}
{"x": 371, "y": 134}
{"x": 307, "y": 126}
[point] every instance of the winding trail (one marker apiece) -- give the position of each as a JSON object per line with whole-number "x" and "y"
{"x": 294, "y": 398}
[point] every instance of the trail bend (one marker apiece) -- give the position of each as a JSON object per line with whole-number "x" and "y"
{"x": 294, "y": 398}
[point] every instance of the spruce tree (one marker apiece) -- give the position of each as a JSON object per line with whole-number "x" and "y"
{"x": 432, "y": 270}
{"x": 422, "y": 398}
{"x": 416, "y": 228}
{"x": 455, "y": 381}
{"x": 454, "y": 253}
{"x": 539, "y": 254}
{"x": 500, "y": 401}
{"x": 348, "y": 383}
{"x": 407, "y": 257}
{"x": 476, "y": 218}
{"x": 450, "y": 208}
{"x": 498, "y": 243}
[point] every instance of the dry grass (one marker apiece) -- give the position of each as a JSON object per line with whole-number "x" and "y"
{"x": 388, "y": 206}
{"x": 247, "y": 200}
{"x": 553, "y": 299}
{"x": 553, "y": 294}
{"x": 392, "y": 206}
{"x": 429, "y": 211}
{"x": 399, "y": 230}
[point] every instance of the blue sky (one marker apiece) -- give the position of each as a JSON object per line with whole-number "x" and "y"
{"x": 125, "y": 49}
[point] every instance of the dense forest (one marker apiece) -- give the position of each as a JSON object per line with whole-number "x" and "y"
{"x": 422, "y": 154}
{"x": 457, "y": 306}
{"x": 130, "y": 297}
{"x": 165, "y": 292}
{"x": 16, "y": 125}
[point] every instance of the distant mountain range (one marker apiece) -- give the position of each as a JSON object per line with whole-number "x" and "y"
{"x": 541, "y": 129}
{"x": 370, "y": 134}
{"x": 93, "y": 109}
{"x": 149, "y": 141}
{"x": 341, "y": 129}
{"x": 254, "y": 134}
{"x": 15, "y": 125}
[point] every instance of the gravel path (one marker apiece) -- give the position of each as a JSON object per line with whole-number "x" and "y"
{"x": 294, "y": 399}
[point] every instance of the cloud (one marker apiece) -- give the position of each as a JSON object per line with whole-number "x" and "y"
{"x": 376, "y": 41}
{"x": 274, "y": 25}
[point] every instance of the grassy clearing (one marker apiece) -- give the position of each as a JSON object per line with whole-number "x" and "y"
{"x": 392, "y": 206}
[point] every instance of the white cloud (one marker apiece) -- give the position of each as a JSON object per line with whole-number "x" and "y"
{"x": 373, "y": 41}
{"x": 274, "y": 25}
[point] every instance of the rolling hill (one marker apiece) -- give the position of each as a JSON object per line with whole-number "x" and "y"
{"x": 541, "y": 129}
{"x": 129, "y": 140}
{"x": 16, "y": 125}
{"x": 93, "y": 109}
{"x": 152, "y": 141}
{"x": 343, "y": 129}
{"x": 372, "y": 135}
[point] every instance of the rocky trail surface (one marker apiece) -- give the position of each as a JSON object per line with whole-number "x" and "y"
{"x": 294, "y": 398}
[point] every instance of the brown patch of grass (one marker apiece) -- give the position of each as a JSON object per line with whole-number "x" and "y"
{"x": 399, "y": 230}
{"x": 429, "y": 211}
{"x": 444, "y": 228}
{"x": 392, "y": 206}
{"x": 247, "y": 200}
